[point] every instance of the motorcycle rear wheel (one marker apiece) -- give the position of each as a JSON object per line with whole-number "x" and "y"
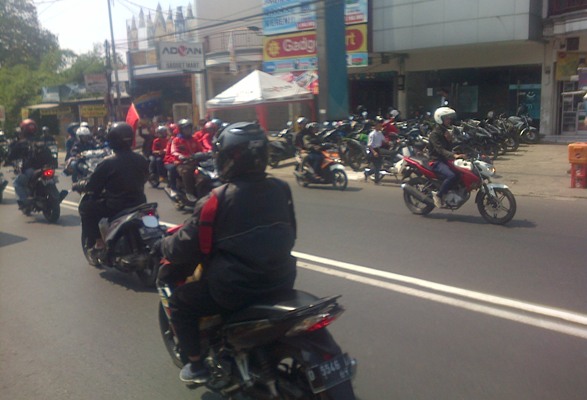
{"x": 52, "y": 209}
{"x": 414, "y": 205}
{"x": 169, "y": 339}
{"x": 498, "y": 210}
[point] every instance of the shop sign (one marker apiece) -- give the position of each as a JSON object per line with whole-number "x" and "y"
{"x": 180, "y": 55}
{"x": 56, "y": 111}
{"x": 567, "y": 64}
{"x": 96, "y": 83}
{"x": 283, "y": 16}
{"x": 92, "y": 111}
{"x": 297, "y": 51}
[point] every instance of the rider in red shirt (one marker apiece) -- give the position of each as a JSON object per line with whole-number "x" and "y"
{"x": 203, "y": 137}
{"x": 182, "y": 148}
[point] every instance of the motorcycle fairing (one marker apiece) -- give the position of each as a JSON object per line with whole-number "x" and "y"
{"x": 118, "y": 221}
{"x": 335, "y": 166}
{"x": 490, "y": 187}
{"x": 265, "y": 323}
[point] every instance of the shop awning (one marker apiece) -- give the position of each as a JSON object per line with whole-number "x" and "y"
{"x": 43, "y": 106}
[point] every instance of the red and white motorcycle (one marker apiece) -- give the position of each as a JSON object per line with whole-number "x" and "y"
{"x": 495, "y": 201}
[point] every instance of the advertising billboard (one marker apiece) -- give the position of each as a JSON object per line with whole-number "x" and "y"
{"x": 180, "y": 55}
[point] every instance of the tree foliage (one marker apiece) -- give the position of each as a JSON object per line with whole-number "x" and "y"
{"x": 22, "y": 39}
{"x": 30, "y": 59}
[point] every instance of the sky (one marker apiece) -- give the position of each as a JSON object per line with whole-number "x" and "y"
{"x": 79, "y": 24}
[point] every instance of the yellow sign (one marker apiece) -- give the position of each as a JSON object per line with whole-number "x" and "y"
{"x": 92, "y": 111}
{"x": 56, "y": 111}
{"x": 567, "y": 64}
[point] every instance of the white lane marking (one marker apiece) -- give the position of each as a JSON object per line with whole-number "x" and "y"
{"x": 564, "y": 328}
{"x": 569, "y": 316}
{"x": 483, "y": 297}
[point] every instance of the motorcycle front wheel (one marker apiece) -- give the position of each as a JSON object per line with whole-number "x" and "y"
{"x": 273, "y": 161}
{"x": 339, "y": 179}
{"x": 169, "y": 339}
{"x": 498, "y": 209}
{"x": 414, "y": 205}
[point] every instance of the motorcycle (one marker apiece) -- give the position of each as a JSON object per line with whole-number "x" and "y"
{"x": 331, "y": 171}
{"x": 283, "y": 148}
{"x": 45, "y": 196}
{"x": 495, "y": 202}
{"x": 277, "y": 349}
{"x": 526, "y": 132}
{"x": 129, "y": 237}
{"x": 3, "y": 184}
{"x": 205, "y": 179}
{"x": 83, "y": 165}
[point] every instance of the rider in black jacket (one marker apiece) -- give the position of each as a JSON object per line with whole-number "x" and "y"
{"x": 117, "y": 183}
{"x": 33, "y": 158}
{"x": 254, "y": 231}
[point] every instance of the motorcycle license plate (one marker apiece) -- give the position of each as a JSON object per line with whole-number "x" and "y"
{"x": 150, "y": 221}
{"x": 330, "y": 373}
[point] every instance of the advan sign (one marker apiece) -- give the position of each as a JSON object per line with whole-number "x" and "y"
{"x": 180, "y": 55}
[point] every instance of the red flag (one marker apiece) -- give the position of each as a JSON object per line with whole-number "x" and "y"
{"x": 132, "y": 118}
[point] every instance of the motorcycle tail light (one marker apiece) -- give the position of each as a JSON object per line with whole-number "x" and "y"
{"x": 48, "y": 173}
{"x": 313, "y": 323}
{"x": 151, "y": 213}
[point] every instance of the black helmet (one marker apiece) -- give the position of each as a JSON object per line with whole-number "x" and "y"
{"x": 120, "y": 136}
{"x": 241, "y": 148}
{"x": 186, "y": 124}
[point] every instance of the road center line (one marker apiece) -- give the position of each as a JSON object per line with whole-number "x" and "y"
{"x": 478, "y": 296}
{"x": 571, "y": 317}
{"x": 564, "y": 328}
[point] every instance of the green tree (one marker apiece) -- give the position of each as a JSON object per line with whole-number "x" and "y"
{"x": 22, "y": 39}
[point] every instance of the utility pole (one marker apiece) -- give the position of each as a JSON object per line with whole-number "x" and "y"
{"x": 114, "y": 63}
{"x": 108, "y": 96}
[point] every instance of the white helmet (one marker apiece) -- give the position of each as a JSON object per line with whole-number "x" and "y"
{"x": 443, "y": 112}
{"x": 84, "y": 124}
{"x": 83, "y": 132}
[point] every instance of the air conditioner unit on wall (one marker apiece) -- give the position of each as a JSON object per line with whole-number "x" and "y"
{"x": 182, "y": 110}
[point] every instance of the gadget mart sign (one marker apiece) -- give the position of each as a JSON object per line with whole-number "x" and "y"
{"x": 180, "y": 55}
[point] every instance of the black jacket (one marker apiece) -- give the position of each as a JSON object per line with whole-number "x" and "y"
{"x": 253, "y": 235}
{"x": 440, "y": 148}
{"x": 34, "y": 157}
{"x": 120, "y": 180}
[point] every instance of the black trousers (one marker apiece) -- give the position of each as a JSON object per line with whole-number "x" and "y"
{"x": 91, "y": 212}
{"x": 188, "y": 304}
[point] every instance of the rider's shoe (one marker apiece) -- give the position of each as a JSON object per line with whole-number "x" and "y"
{"x": 191, "y": 197}
{"x": 437, "y": 200}
{"x": 194, "y": 372}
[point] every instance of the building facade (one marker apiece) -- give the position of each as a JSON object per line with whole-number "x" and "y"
{"x": 480, "y": 55}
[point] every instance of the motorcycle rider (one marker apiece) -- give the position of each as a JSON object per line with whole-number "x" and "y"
{"x": 117, "y": 183}
{"x": 300, "y": 131}
{"x": 169, "y": 162}
{"x": 85, "y": 141}
{"x": 182, "y": 148}
{"x": 254, "y": 233}
{"x": 374, "y": 142}
{"x": 33, "y": 158}
{"x": 441, "y": 151}
{"x": 203, "y": 137}
{"x": 158, "y": 152}
{"x": 313, "y": 145}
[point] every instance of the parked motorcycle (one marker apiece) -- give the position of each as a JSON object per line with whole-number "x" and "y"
{"x": 495, "y": 202}
{"x": 129, "y": 237}
{"x": 282, "y": 148}
{"x": 278, "y": 349}
{"x": 331, "y": 171}
{"x": 522, "y": 126}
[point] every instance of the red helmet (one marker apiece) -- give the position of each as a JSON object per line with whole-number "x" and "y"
{"x": 28, "y": 127}
{"x": 174, "y": 129}
{"x": 211, "y": 127}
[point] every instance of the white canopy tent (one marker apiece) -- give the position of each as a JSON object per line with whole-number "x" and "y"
{"x": 259, "y": 91}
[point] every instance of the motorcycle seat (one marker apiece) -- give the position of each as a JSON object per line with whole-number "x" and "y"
{"x": 423, "y": 161}
{"x": 276, "y": 308}
{"x": 144, "y": 206}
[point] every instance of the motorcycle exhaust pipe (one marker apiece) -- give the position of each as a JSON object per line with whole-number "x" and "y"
{"x": 417, "y": 194}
